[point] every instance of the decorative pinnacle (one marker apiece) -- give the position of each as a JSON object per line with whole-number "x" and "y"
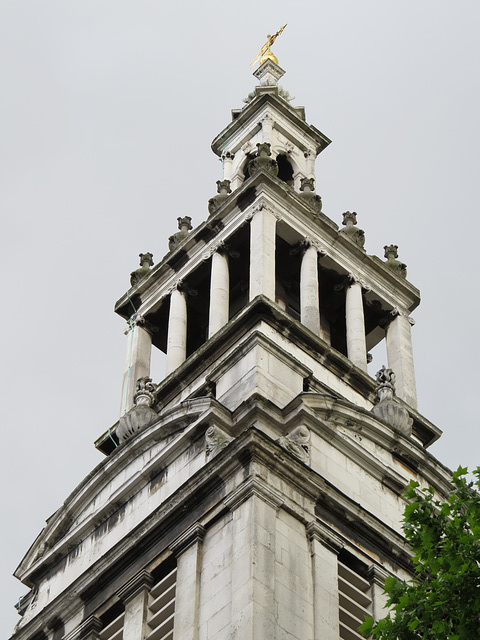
{"x": 307, "y": 184}
{"x": 146, "y": 259}
{"x": 391, "y": 254}
{"x": 349, "y": 216}
{"x": 186, "y": 223}
{"x": 357, "y": 235}
{"x": 391, "y": 249}
{"x": 144, "y": 394}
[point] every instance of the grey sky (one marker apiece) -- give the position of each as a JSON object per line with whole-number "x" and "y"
{"x": 107, "y": 112}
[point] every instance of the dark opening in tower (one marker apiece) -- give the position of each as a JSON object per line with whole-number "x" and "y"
{"x": 285, "y": 169}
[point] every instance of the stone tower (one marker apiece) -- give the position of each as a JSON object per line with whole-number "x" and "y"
{"x": 255, "y": 493}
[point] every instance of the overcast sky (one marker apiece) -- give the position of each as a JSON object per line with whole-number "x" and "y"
{"x": 107, "y": 112}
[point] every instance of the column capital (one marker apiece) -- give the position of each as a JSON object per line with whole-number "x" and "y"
{"x": 377, "y": 575}
{"x": 261, "y": 206}
{"x": 355, "y": 279}
{"x": 308, "y": 242}
{"x": 253, "y": 487}
{"x": 195, "y": 533}
{"x": 179, "y": 286}
{"x": 90, "y": 628}
{"x": 220, "y": 246}
{"x": 319, "y": 532}
{"x": 140, "y": 582}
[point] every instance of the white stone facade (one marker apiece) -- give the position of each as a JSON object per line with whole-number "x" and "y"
{"x": 260, "y": 490}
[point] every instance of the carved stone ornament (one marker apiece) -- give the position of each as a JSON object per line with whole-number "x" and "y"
{"x": 263, "y": 161}
{"x": 356, "y": 235}
{"x": 146, "y": 262}
{"x": 307, "y": 193}
{"x": 391, "y": 253}
{"x": 224, "y": 190}
{"x": 219, "y": 246}
{"x": 141, "y": 414}
{"x": 388, "y": 408}
{"x": 215, "y": 441}
{"x": 297, "y": 442}
{"x": 261, "y": 206}
{"x": 136, "y": 320}
{"x": 185, "y": 225}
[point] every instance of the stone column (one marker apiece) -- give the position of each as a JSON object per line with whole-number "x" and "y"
{"x": 310, "y": 163}
{"x": 135, "y": 597}
{"x": 227, "y": 160}
{"x": 377, "y": 577}
{"x": 219, "y": 293}
{"x": 267, "y": 128}
{"x": 324, "y": 550}
{"x": 137, "y": 361}
{"x": 400, "y": 358}
{"x": 356, "y": 342}
{"x": 262, "y": 254}
{"x": 188, "y": 549}
{"x": 254, "y": 514}
{"x": 309, "y": 297}
{"x": 177, "y": 330}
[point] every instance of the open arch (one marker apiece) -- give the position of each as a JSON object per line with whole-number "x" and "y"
{"x": 285, "y": 169}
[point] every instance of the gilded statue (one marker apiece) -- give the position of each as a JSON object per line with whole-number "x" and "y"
{"x": 265, "y": 53}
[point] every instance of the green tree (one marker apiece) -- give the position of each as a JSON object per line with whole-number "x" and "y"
{"x": 442, "y": 602}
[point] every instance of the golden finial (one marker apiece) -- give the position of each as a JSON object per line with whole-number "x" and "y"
{"x": 265, "y": 53}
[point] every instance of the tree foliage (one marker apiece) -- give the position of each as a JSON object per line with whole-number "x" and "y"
{"x": 443, "y": 600}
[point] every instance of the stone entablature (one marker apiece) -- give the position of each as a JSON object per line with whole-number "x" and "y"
{"x": 274, "y": 214}
{"x": 293, "y": 212}
{"x": 260, "y": 331}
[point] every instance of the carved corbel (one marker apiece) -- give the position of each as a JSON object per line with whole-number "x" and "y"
{"x": 216, "y": 440}
{"x": 297, "y": 442}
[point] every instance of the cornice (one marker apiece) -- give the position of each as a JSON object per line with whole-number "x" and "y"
{"x": 100, "y": 477}
{"x": 288, "y": 205}
{"x": 193, "y": 535}
{"x": 140, "y": 582}
{"x": 257, "y": 487}
{"x": 325, "y": 535}
{"x": 250, "y": 112}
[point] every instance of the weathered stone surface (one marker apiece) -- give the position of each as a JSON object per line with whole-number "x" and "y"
{"x": 391, "y": 253}
{"x": 224, "y": 190}
{"x": 263, "y": 161}
{"x": 297, "y": 442}
{"x": 215, "y": 441}
{"x": 307, "y": 193}
{"x": 356, "y": 235}
{"x": 141, "y": 414}
{"x": 146, "y": 262}
{"x": 388, "y": 408}
{"x": 185, "y": 225}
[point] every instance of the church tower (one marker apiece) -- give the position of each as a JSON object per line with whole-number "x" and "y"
{"x": 255, "y": 493}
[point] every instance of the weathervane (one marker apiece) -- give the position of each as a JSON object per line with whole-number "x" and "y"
{"x": 265, "y": 53}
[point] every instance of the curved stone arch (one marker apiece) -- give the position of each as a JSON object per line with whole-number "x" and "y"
{"x": 281, "y": 150}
